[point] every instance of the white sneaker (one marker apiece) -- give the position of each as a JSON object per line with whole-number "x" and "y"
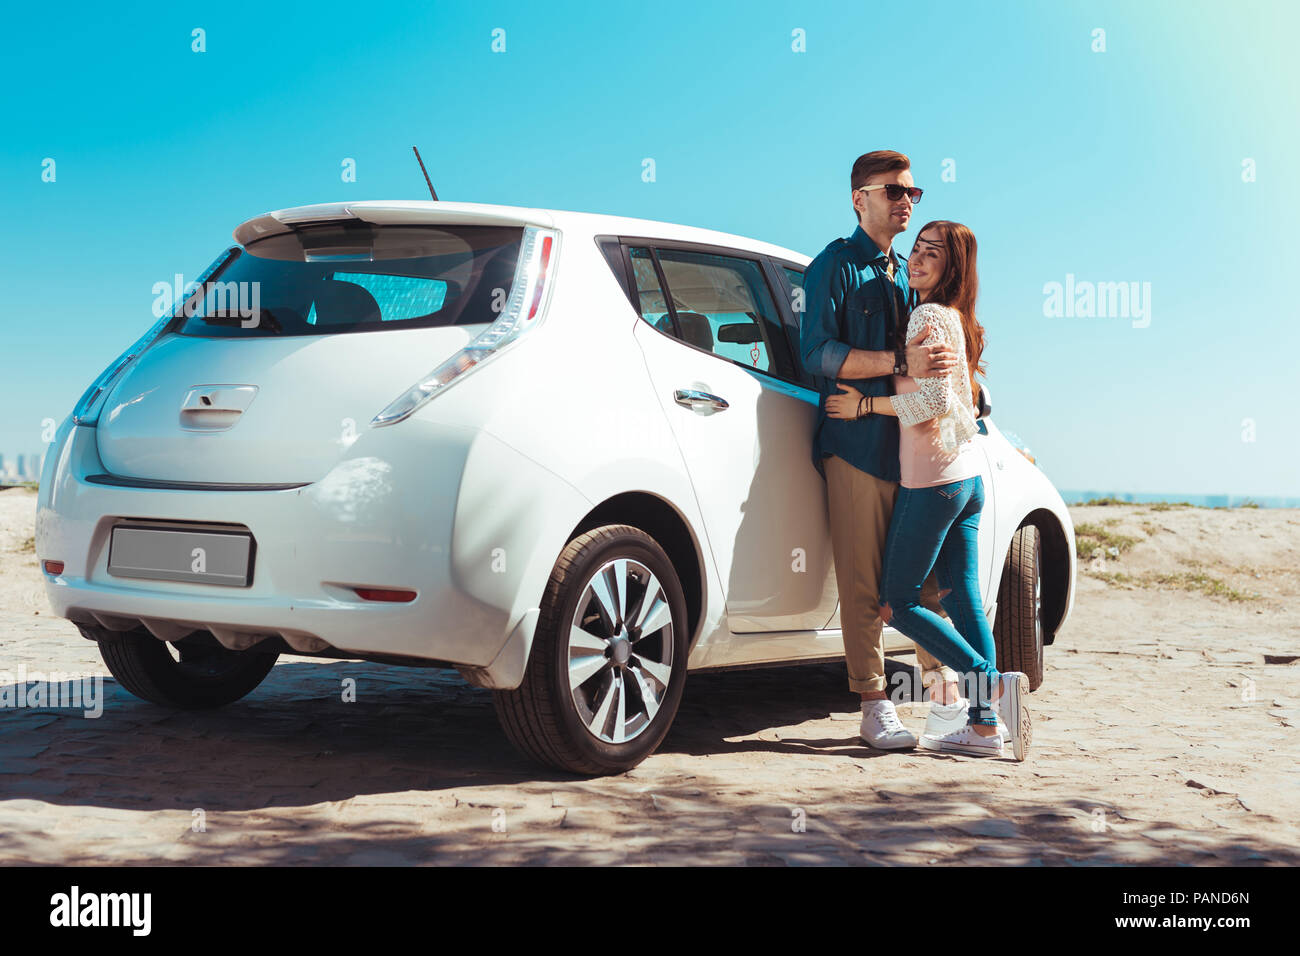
{"x": 1013, "y": 708}
{"x": 881, "y": 727}
{"x": 964, "y": 741}
{"x": 946, "y": 718}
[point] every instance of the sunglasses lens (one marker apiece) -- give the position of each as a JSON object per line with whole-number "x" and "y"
{"x": 895, "y": 192}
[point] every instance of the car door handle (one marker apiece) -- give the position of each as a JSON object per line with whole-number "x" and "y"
{"x": 694, "y": 398}
{"x": 215, "y": 407}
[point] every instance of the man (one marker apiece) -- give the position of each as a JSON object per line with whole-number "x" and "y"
{"x": 856, "y": 298}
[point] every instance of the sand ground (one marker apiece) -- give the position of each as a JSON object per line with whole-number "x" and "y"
{"x": 1165, "y": 733}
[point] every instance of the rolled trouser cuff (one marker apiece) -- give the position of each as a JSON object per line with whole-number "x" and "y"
{"x": 858, "y": 686}
{"x": 943, "y": 675}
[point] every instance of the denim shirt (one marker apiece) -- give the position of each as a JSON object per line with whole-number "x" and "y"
{"x": 847, "y": 305}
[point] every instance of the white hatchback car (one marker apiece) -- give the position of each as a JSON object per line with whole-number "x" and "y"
{"x": 568, "y": 455}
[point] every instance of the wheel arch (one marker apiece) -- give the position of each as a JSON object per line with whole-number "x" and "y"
{"x": 659, "y": 519}
{"x": 1054, "y": 546}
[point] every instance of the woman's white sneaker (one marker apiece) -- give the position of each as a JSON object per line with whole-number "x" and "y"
{"x": 881, "y": 727}
{"x": 1013, "y": 708}
{"x": 964, "y": 741}
{"x": 946, "y": 718}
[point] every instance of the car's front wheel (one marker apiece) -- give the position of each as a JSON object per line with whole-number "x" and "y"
{"x": 1018, "y": 626}
{"x": 608, "y": 661}
{"x": 192, "y": 673}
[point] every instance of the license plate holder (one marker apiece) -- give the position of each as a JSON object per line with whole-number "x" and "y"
{"x": 192, "y": 555}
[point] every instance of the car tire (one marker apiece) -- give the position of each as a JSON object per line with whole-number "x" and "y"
{"x": 206, "y": 675}
{"x": 574, "y": 711}
{"x": 1018, "y": 626}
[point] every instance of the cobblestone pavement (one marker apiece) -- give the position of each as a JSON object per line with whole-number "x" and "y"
{"x": 1162, "y": 735}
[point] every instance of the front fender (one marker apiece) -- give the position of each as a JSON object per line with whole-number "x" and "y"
{"x": 1025, "y": 495}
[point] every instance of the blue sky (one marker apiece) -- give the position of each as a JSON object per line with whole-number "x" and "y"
{"x": 1117, "y": 166}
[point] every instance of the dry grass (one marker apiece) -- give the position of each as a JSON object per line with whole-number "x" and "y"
{"x": 1195, "y": 580}
{"x": 1089, "y": 537}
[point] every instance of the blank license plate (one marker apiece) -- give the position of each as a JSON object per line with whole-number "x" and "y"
{"x": 165, "y": 554}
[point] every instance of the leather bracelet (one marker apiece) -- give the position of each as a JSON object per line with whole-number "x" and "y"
{"x": 860, "y": 401}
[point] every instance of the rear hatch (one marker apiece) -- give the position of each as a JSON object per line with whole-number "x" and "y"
{"x": 286, "y": 354}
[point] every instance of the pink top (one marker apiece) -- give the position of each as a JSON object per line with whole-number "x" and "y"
{"x": 921, "y": 459}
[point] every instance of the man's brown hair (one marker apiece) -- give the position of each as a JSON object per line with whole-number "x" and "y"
{"x": 869, "y": 164}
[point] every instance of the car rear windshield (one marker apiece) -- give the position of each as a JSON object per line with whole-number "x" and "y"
{"x": 357, "y": 277}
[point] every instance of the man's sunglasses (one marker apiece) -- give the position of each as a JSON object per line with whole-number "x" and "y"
{"x": 895, "y": 192}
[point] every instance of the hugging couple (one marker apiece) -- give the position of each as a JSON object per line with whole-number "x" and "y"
{"x": 900, "y": 408}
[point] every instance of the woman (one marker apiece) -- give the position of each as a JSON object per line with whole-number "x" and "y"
{"x": 936, "y": 515}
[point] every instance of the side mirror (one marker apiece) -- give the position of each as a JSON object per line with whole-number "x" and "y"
{"x": 743, "y": 333}
{"x": 986, "y": 403}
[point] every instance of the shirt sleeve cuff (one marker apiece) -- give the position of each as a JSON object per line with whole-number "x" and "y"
{"x": 833, "y": 355}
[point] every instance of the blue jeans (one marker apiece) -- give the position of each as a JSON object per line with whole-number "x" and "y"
{"x": 936, "y": 528}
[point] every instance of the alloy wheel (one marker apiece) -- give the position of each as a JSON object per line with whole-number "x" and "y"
{"x": 620, "y": 650}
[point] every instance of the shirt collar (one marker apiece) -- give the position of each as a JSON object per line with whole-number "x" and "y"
{"x": 869, "y": 247}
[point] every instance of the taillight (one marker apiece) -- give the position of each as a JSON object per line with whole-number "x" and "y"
{"x": 523, "y": 311}
{"x": 53, "y": 567}
{"x": 548, "y": 243}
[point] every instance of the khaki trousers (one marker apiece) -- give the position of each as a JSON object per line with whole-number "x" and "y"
{"x": 861, "y": 506}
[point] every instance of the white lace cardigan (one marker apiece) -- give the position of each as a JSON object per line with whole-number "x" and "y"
{"x": 945, "y": 397}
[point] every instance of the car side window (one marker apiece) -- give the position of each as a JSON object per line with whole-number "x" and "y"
{"x": 649, "y": 293}
{"x": 721, "y": 304}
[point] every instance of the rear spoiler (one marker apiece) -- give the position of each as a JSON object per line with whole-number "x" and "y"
{"x": 406, "y": 212}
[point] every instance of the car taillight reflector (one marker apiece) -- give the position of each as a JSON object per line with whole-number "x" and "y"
{"x": 53, "y": 567}
{"x": 391, "y": 595}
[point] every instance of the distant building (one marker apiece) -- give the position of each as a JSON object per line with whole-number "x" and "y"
{"x": 21, "y": 468}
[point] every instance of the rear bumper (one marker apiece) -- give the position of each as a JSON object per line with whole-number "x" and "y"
{"x": 384, "y": 517}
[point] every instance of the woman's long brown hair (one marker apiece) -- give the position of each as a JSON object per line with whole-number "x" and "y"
{"x": 957, "y": 289}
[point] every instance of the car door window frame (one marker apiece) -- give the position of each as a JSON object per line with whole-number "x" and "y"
{"x": 634, "y": 291}
{"x": 790, "y": 322}
{"x": 612, "y": 251}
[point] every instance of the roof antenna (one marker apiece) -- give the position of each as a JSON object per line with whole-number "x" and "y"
{"x": 426, "y": 173}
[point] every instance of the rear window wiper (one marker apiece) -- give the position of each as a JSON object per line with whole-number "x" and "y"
{"x": 263, "y": 320}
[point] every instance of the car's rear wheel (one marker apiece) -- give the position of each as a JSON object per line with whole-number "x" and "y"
{"x": 1018, "y": 626}
{"x": 608, "y": 660}
{"x": 192, "y": 673}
